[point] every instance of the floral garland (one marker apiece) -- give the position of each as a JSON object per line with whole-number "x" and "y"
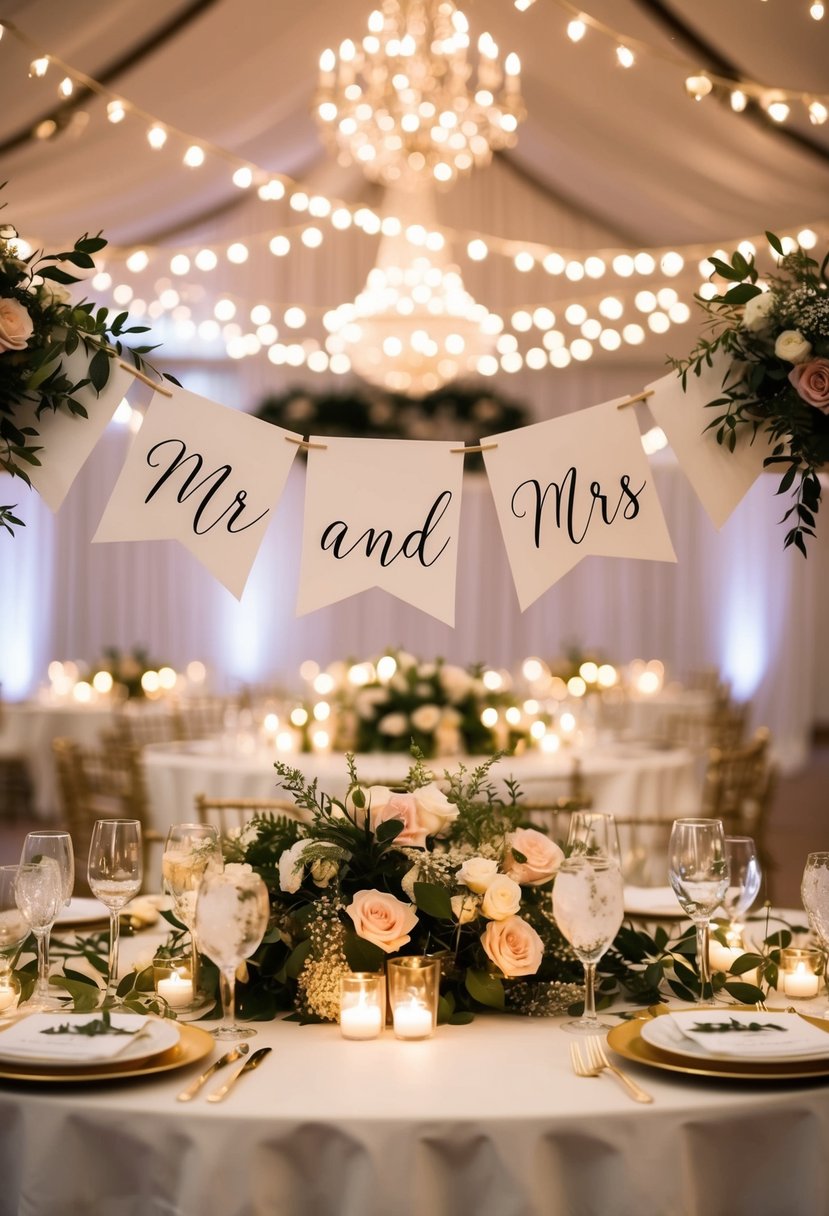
{"x": 39, "y": 326}
{"x": 778, "y": 376}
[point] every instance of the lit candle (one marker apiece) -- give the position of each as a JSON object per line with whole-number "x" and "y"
{"x": 8, "y": 997}
{"x": 177, "y": 990}
{"x": 361, "y": 1021}
{"x": 800, "y": 982}
{"x": 412, "y": 1020}
{"x": 721, "y": 957}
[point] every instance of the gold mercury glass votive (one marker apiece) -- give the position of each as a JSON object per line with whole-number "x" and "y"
{"x": 9, "y": 993}
{"x": 173, "y": 980}
{"x": 414, "y": 988}
{"x": 362, "y": 1004}
{"x": 801, "y": 971}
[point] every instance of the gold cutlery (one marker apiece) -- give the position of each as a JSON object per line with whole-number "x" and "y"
{"x": 249, "y": 1065}
{"x": 597, "y": 1062}
{"x": 229, "y": 1057}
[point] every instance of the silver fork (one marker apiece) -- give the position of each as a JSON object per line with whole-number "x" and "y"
{"x": 597, "y": 1062}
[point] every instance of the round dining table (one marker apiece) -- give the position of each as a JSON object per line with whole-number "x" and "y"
{"x": 486, "y": 1119}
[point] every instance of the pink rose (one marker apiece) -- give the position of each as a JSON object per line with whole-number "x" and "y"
{"x": 382, "y": 919}
{"x": 812, "y": 382}
{"x": 403, "y": 807}
{"x": 15, "y": 325}
{"x": 513, "y": 945}
{"x": 543, "y": 857}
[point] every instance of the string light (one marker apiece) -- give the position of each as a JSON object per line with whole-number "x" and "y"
{"x": 816, "y": 11}
{"x": 625, "y": 56}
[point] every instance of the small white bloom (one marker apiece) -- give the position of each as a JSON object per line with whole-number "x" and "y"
{"x": 792, "y": 346}
{"x": 465, "y": 908}
{"x": 393, "y": 724}
{"x": 426, "y": 718}
{"x": 323, "y": 870}
{"x": 290, "y": 871}
{"x": 756, "y": 312}
{"x": 455, "y": 681}
{"x": 477, "y": 873}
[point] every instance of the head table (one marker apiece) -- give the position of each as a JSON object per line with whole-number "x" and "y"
{"x": 482, "y": 1120}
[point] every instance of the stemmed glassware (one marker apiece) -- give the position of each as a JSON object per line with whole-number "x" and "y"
{"x": 50, "y": 842}
{"x": 744, "y": 879}
{"x": 39, "y": 846}
{"x": 698, "y": 873}
{"x": 588, "y": 903}
{"x": 814, "y": 891}
{"x": 14, "y": 929}
{"x": 191, "y": 850}
{"x": 114, "y": 874}
{"x": 39, "y": 894}
{"x": 232, "y": 911}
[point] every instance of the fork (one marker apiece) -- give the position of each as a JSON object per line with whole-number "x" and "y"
{"x": 597, "y": 1062}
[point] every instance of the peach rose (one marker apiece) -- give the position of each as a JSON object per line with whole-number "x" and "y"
{"x": 402, "y": 807}
{"x": 383, "y": 919}
{"x": 543, "y": 857}
{"x": 15, "y": 325}
{"x": 811, "y": 381}
{"x": 513, "y": 946}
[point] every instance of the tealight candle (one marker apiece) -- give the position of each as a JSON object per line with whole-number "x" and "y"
{"x": 177, "y": 990}
{"x": 9, "y": 994}
{"x": 362, "y": 1005}
{"x": 721, "y": 957}
{"x": 801, "y": 970}
{"x": 414, "y": 989}
{"x": 801, "y": 982}
{"x": 412, "y": 1020}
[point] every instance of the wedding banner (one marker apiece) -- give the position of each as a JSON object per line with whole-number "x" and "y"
{"x": 203, "y": 474}
{"x": 381, "y": 513}
{"x": 68, "y": 439}
{"x": 575, "y": 486}
{"x": 719, "y": 477}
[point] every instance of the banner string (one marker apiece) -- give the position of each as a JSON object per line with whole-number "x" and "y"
{"x": 165, "y": 392}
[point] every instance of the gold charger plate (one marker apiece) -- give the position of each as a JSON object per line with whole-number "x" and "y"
{"x": 626, "y": 1040}
{"x": 193, "y": 1045}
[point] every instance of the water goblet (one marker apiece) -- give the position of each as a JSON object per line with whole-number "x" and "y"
{"x": 744, "y": 879}
{"x": 588, "y": 905}
{"x": 191, "y": 849}
{"x": 50, "y": 842}
{"x": 698, "y": 873}
{"x": 814, "y": 892}
{"x": 114, "y": 873}
{"x": 38, "y": 888}
{"x": 594, "y": 833}
{"x": 232, "y": 911}
{"x": 14, "y": 929}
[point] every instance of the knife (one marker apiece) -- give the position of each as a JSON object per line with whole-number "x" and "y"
{"x": 228, "y": 1058}
{"x": 254, "y": 1062}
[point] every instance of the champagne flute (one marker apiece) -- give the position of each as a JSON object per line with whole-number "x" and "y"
{"x": 114, "y": 873}
{"x": 58, "y": 845}
{"x": 594, "y": 833}
{"x": 698, "y": 873}
{"x": 190, "y": 851}
{"x": 232, "y": 911}
{"x": 814, "y": 891}
{"x": 14, "y": 929}
{"x": 38, "y": 890}
{"x": 744, "y": 879}
{"x": 588, "y": 905}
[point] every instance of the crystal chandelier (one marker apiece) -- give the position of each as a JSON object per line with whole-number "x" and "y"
{"x": 407, "y": 103}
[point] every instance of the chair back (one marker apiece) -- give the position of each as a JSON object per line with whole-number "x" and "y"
{"x": 739, "y": 783}
{"x": 229, "y": 814}
{"x": 137, "y": 729}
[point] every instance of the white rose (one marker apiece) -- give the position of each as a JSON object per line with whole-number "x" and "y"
{"x": 375, "y": 796}
{"x": 434, "y": 810}
{"x": 477, "y": 873}
{"x": 15, "y": 325}
{"x": 399, "y": 682}
{"x": 52, "y": 293}
{"x": 426, "y": 718}
{"x": 290, "y": 869}
{"x": 465, "y": 908}
{"x": 393, "y": 724}
{"x": 455, "y": 681}
{"x": 426, "y": 670}
{"x": 792, "y": 346}
{"x": 502, "y": 898}
{"x": 756, "y": 312}
{"x": 235, "y": 869}
{"x": 408, "y": 881}
{"x": 323, "y": 870}
{"x": 367, "y": 701}
{"x": 406, "y": 660}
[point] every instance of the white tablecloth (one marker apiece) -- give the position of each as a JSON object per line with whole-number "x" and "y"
{"x": 629, "y": 780}
{"x": 481, "y": 1120}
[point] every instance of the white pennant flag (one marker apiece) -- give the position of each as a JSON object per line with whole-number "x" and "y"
{"x": 205, "y": 475}
{"x": 382, "y": 513}
{"x": 574, "y": 487}
{"x": 720, "y": 478}
{"x": 68, "y": 439}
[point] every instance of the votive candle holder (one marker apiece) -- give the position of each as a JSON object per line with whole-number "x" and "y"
{"x": 362, "y": 1004}
{"x": 173, "y": 981}
{"x": 414, "y": 989}
{"x": 801, "y": 971}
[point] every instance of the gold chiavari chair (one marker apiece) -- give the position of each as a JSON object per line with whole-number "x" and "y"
{"x": 738, "y": 787}
{"x": 229, "y": 814}
{"x": 15, "y": 779}
{"x": 138, "y": 729}
{"x": 201, "y": 717}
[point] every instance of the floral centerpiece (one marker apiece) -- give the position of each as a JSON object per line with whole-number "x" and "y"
{"x": 777, "y": 380}
{"x": 40, "y": 326}
{"x": 440, "y": 707}
{"x": 127, "y": 669}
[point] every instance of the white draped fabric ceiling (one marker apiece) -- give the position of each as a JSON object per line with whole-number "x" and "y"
{"x": 607, "y": 159}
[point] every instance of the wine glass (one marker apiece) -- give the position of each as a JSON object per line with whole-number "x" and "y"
{"x": 14, "y": 929}
{"x": 588, "y": 906}
{"x": 594, "y": 833}
{"x": 191, "y": 849}
{"x": 38, "y": 889}
{"x": 58, "y": 845}
{"x": 698, "y": 873}
{"x": 232, "y": 911}
{"x": 114, "y": 874}
{"x": 744, "y": 879}
{"x": 814, "y": 891}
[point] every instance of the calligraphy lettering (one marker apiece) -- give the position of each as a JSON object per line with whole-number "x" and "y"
{"x": 564, "y": 498}
{"x": 218, "y": 477}
{"x": 335, "y": 538}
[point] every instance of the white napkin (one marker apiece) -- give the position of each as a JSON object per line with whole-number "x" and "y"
{"x": 651, "y": 901}
{"x": 28, "y": 1038}
{"x": 781, "y": 1034}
